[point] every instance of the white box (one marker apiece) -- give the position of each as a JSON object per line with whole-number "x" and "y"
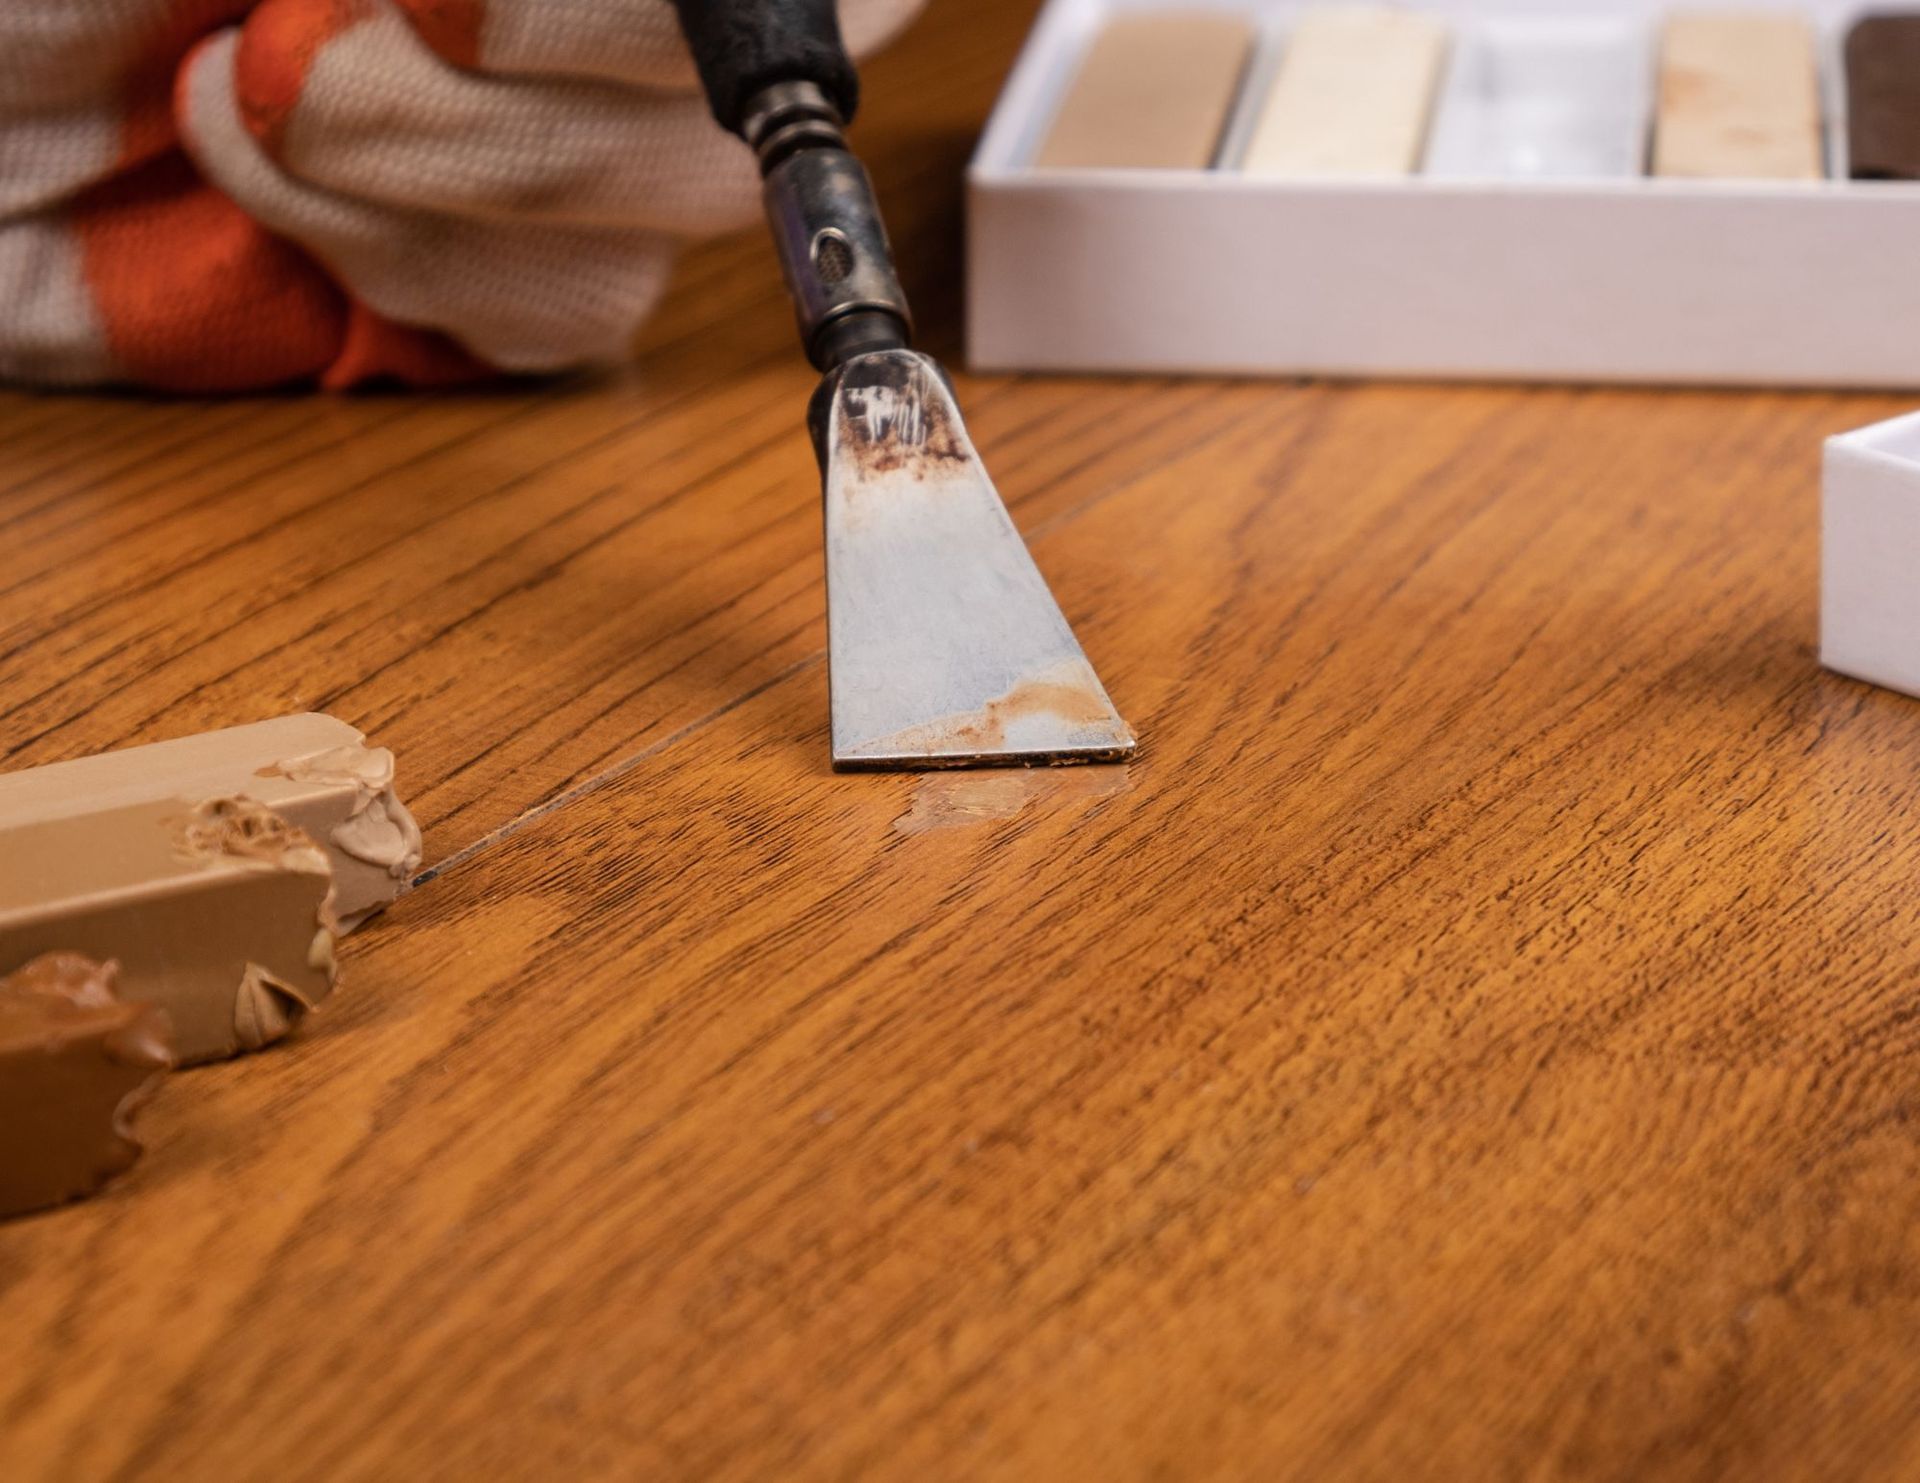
{"x": 1870, "y": 554}
{"x": 1629, "y": 279}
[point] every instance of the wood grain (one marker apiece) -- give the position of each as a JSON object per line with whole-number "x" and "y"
{"x": 1476, "y": 1039}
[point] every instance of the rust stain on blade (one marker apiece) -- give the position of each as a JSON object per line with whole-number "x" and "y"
{"x": 895, "y": 422}
{"x": 1074, "y": 705}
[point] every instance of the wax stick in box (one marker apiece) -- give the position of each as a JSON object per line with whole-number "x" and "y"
{"x": 1739, "y": 98}
{"x": 1883, "y": 97}
{"x": 1353, "y": 97}
{"x": 1545, "y": 98}
{"x": 1153, "y": 92}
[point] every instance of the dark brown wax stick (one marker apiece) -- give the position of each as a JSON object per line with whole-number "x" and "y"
{"x": 1883, "y": 98}
{"x": 75, "y": 1062}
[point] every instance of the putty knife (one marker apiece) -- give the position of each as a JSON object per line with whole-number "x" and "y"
{"x": 944, "y": 646}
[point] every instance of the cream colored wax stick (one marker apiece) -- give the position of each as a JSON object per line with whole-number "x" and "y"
{"x": 1353, "y": 96}
{"x": 314, "y": 771}
{"x": 217, "y": 912}
{"x": 1153, "y": 92}
{"x": 1739, "y": 98}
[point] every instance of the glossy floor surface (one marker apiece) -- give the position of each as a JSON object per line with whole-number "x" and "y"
{"x": 1475, "y": 1039}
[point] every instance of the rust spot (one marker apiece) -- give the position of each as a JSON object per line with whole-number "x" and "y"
{"x": 1074, "y": 704}
{"x": 895, "y": 418}
{"x": 1061, "y": 695}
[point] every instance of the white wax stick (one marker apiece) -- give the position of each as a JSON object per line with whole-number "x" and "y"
{"x": 1353, "y": 96}
{"x": 1545, "y": 97}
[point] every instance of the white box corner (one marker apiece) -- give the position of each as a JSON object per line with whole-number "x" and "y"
{"x": 1870, "y": 554}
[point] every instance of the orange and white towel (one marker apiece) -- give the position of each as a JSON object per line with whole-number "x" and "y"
{"x": 216, "y": 195}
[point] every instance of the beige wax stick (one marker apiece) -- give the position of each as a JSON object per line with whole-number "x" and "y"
{"x": 1153, "y": 92}
{"x": 1739, "y": 98}
{"x": 215, "y": 912}
{"x": 315, "y": 772}
{"x": 1353, "y": 96}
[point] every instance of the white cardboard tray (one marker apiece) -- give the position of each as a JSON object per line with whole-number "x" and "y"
{"x": 1628, "y": 279}
{"x": 1870, "y": 554}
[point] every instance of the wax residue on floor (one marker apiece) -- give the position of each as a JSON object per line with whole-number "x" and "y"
{"x": 953, "y": 800}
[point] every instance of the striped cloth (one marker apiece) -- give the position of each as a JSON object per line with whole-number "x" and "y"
{"x": 218, "y": 195}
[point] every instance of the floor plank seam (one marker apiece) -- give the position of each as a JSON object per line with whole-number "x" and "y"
{"x": 626, "y": 765}
{"x": 612, "y": 774}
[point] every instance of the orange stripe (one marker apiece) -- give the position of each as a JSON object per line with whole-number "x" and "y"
{"x": 451, "y": 27}
{"x": 378, "y": 350}
{"x": 195, "y": 295}
{"x": 278, "y": 45}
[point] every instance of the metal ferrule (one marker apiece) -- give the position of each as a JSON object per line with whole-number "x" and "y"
{"x": 833, "y": 246}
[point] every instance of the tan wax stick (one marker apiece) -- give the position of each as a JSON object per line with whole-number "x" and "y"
{"x": 315, "y": 772}
{"x": 75, "y": 1063}
{"x": 1739, "y": 98}
{"x": 1353, "y": 96}
{"x": 215, "y": 912}
{"x": 1153, "y": 93}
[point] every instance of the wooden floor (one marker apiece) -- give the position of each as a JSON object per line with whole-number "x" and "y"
{"x": 1476, "y": 1039}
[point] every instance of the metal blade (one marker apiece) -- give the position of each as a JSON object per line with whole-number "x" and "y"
{"x": 946, "y": 649}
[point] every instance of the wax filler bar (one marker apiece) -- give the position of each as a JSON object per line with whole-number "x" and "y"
{"x": 1883, "y": 97}
{"x": 1545, "y": 97}
{"x": 314, "y": 771}
{"x": 1739, "y": 98}
{"x": 1353, "y": 95}
{"x": 217, "y": 912}
{"x": 76, "y": 1062}
{"x": 1153, "y": 93}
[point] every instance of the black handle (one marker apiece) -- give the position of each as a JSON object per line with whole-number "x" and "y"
{"x": 744, "y": 47}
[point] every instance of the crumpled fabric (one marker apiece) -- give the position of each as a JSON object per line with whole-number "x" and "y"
{"x": 223, "y": 195}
